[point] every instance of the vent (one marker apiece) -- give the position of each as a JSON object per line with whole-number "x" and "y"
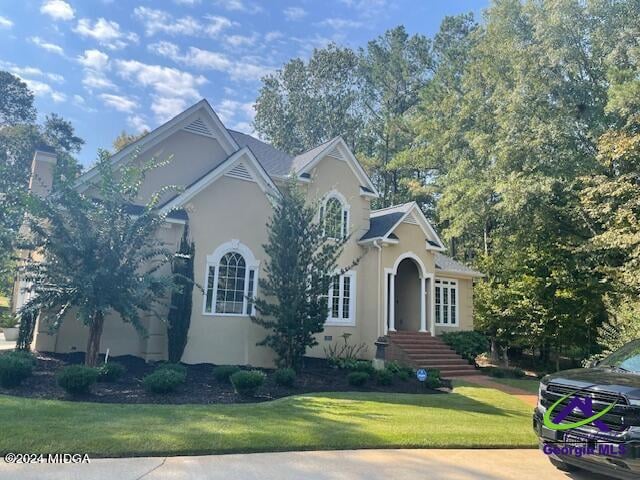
{"x": 240, "y": 172}
{"x": 335, "y": 153}
{"x": 199, "y": 128}
{"x": 411, "y": 219}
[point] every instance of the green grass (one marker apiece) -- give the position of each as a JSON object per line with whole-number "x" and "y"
{"x": 469, "y": 417}
{"x": 529, "y": 385}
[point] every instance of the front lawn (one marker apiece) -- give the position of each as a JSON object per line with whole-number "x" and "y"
{"x": 469, "y": 417}
{"x": 526, "y": 384}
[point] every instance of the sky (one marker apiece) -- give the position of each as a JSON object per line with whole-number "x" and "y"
{"x": 114, "y": 65}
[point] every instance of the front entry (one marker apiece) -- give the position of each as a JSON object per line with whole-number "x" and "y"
{"x": 406, "y": 295}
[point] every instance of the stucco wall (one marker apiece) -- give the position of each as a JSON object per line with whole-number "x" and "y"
{"x": 465, "y": 310}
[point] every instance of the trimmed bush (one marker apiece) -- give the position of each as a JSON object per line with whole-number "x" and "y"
{"x": 466, "y": 344}
{"x": 110, "y": 372}
{"x": 498, "y": 372}
{"x": 24, "y": 355}
{"x": 519, "y": 373}
{"x": 285, "y": 376}
{"x": 223, "y": 373}
{"x": 433, "y": 382}
{"x": 176, "y": 367}
{"x": 363, "y": 366}
{"x": 163, "y": 380}
{"x": 358, "y": 379}
{"x": 246, "y": 383}
{"x": 384, "y": 377}
{"x": 14, "y": 368}
{"x": 403, "y": 375}
{"x": 77, "y": 379}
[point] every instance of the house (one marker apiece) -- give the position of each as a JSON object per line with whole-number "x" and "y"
{"x": 404, "y": 285}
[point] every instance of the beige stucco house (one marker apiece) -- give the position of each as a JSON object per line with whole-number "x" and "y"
{"x": 403, "y": 282}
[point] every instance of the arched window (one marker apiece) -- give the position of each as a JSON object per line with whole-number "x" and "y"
{"x": 231, "y": 280}
{"x": 334, "y": 215}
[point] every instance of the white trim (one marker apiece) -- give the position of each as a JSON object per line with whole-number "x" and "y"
{"x": 415, "y": 258}
{"x": 456, "y": 274}
{"x": 353, "y": 285}
{"x": 213, "y": 261}
{"x": 451, "y": 283}
{"x": 351, "y": 160}
{"x": 262, "y": 179}
{"x": 165, "y": 130}
{"x": 364, "y": 193}
{"x": 387, "y": 272}
{"x": 346, "y": 207}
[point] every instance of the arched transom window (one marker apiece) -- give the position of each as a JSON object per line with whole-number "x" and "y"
{"x": 231, "y": 280}
{"x": 334, "y": 215}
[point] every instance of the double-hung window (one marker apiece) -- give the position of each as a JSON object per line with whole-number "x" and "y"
{"x": 342, "y": 300}
{"x": 231, "y": 281}
{"x": 446, "y": 302}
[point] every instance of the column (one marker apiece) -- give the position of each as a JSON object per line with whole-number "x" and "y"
{"x": 432, "y": 295}
{"x": 392, "y": 303}
{"x": 423, "y": 310}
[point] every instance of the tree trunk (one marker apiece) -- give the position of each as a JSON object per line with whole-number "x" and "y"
{"x": 93, "y": 344}
{"x": 494, "y": 352}
{"x": 505, "y": 356}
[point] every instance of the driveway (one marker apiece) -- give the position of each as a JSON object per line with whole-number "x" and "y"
{"x": 336, "y": 465}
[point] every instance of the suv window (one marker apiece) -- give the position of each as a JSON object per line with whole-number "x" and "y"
{"x": 625, "y": 358}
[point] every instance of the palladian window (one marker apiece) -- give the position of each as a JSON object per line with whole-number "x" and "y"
{"x": 334, "y": 215}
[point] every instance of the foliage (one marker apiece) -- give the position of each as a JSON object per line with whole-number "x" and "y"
{"x": 433, "y": 382}
{"x": 16, "y": 100}
{"x": 342, "y": 354}
{"x": 246, "y": 383}
{"x": 362, "y": 366}
{"x": 404, "y": 375}
{"x": 285, "y": 377}
{"x": 8, "y": 320}
{"x": 175, "y": 367}
{"x": 403, "y": 372}
{"x": 384, "y": 376}
{"x": 27, "y": 329}
{"x": 622, "y": 326}
{"x": 468, "y": 344}
{"x": 223, "y": 373}
{"x": 99, "y": 258}
{"x": 110, "y": 372}
{"x": 77, "y": 379}
{"x": 179, "y": 318}
{"x": 163, "y": 380}
{"x": 14, "y": 368}
{"x": 498, "y": 372}
{"x": 358, "y": 379}
{"x": 300, "y": 263}
{"x": 124, "y": 139}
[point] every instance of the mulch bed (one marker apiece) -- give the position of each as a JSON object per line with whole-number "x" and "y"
{"x": 200, "y": 388}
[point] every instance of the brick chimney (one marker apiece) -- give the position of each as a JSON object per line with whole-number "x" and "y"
{"x": 42, "y": 167}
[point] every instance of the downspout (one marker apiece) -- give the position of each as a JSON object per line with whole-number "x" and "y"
{"x": 376, "y": 244}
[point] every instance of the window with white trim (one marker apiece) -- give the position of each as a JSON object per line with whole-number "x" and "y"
{"x": 446, "y": 302}
{"x": 231, "y": 281}
{"x": 334, "y": 215}
{"x": 342, "y": 299}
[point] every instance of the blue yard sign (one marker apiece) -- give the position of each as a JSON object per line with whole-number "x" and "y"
{"x": 421, "y": 374}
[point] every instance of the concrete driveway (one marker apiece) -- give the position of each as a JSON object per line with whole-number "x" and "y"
{"x": 337, "y": 465}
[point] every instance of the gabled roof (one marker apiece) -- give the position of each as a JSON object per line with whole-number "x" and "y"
{"x": 383, "y": 222}
{"x": 274, "y": 161}
{"x": 449, "y": 265}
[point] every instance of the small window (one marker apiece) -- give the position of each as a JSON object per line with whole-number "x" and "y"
{"x": 446, "y": 302}
{"x": 342, "y": 300}
{"x": 334, "y": 215}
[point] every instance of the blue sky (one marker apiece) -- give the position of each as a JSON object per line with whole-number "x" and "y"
{"x": 109, "y": 65}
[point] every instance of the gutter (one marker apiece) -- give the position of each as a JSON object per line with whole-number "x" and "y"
{"x": 376, "y": 243}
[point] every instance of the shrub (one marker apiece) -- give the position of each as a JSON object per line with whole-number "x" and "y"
{"x": 466, "y": 344}
{"x": 519, "y": 373}
{"x": 358, "y": 379}
{"x": 176, "y": 367}
{"x": 363, "y": 366}
{"x": 285, "y": 376}
{"x": 223, "y": 373}
{"x": 163, "y": 380}
{"x": 23, "y": 355}
{"x": 14, "y": 368}
{"x": 246, "y": 383}
{"x": 110, "y": 372}
{"x": 498, "y": 372}
{"x": 400, "y": 370}
{"x": 433, "y": 382}
{"x": 342, "y": 355}
{"x": 403, "y": 375}
{"x": 77, "y": 379}
{"x": 384, "y": 377}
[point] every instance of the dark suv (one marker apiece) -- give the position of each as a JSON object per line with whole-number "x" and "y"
{"x": 609, "y": 444}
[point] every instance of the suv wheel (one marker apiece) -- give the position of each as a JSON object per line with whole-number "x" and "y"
{"x": 560, "y": 465}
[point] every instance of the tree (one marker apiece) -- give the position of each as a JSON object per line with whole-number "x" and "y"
{"x": 16, "y": 101}
{"x": 305, "y": 104}
{"x": 300, "y": 265}
{"x": 96, "y": 258}
{"x": 179, "y": 318}
{"x": 125, "y": 139}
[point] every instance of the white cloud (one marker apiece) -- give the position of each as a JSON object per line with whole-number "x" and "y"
{"x": 159, "y": 21}
{"x": 30, "y": 72}
{"x": 186, "y": 2}
{"x": 228, "y": 109}
{"x": 118, "y": 102}
{"x": 138, "y": 123}
{"x": 275, "y": 35}
{"x": 96, "y": 81}
{"x": 239, "y": 6}
{"x": 294, "y": 13}
{"x": 57, "y": 9}
{"x": 340, "y": 23}
{"x": 42, "y": 89}
{"x": 5, "y": 22}
{"x": 105, "y": 32}
{"x": 49, "y": 47}
{"x": 94, "y": 59}
{"x": 241, "y": 40}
